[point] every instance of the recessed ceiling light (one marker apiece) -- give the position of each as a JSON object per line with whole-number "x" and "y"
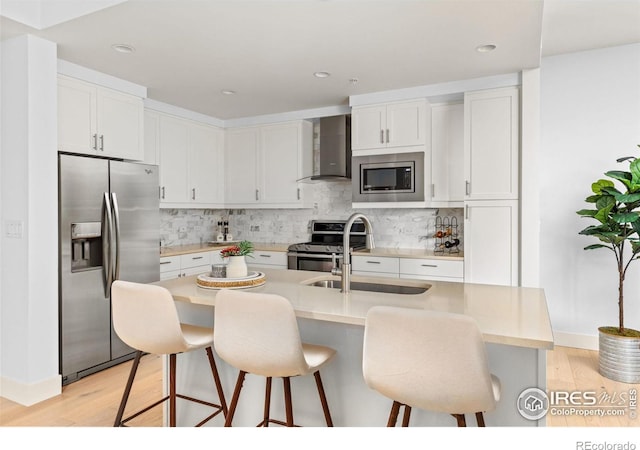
{"x": 321, "y": 74}
{"x": 123, "y": 48}
{"x": 228, "y": 92}
{"x": 485, "y": 48}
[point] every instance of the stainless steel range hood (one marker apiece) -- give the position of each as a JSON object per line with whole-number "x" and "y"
{"x": 335, "y": 149}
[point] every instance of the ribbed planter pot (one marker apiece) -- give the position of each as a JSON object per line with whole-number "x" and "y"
{"x": 619, "y": 357}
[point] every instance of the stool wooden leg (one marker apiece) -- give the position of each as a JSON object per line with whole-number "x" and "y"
{"x": 287, "y": 400}
{"x": 393, "y": 415}
{"x": 407, "y": 416}
{"x": 127, "y": 389}
{"x": 480, "y": 419}
{"x": 234, "y": 399}
{"x": 323, "y": 399}
{"x": 172, "y": 390}
{"x": 216, "y": 378}
{"x": 267, "y": 402}
{"x": 461, "y": 420}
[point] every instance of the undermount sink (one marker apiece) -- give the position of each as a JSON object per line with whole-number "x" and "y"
{"x": 372, "y": 287}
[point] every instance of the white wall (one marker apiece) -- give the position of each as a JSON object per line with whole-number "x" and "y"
{"x": 29, "y": 281}
{"x": 590, "y": 116}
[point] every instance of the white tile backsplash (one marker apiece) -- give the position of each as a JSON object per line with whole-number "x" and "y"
{"x": 393, "y": 227}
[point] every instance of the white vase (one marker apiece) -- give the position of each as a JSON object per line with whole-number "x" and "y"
{"x": 236, "y": 267}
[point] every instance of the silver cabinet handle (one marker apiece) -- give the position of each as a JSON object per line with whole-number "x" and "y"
{"x": 197, "y": 257}
{"x": 382, "y": 136}
{"x": 433, "y": 190}
{"x": 257, "y": 194}
{"x": 102, "y": 142}
{"x": 264, "y": 256}
{"x": 165, "y": 262}
{"x": 429, "y": 265}
{"x": 298, "y": 193}
{"x": 373, "y": 262}
{"x": 467, "y": 187}
{"x": 387, "y": 135}
{"x": 193, "y": 194}
{"x": 162, "y": 192}
{"x": 95, "y": 142}
{"x": 466, "y": 212}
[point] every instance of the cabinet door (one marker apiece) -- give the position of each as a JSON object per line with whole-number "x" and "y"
{"x": 279, "y": 163}
{"x": 491, "y": 242}
{"x": 406, "y": 124}
{"x": 77, "y": 116}
{"x": 173, "y": 160}
{"x": 447, "y": 153}
{"x": 151, "y": 137}
{"x": 206, "y": 164}
{"x": 492, "y": 144}
{"x": 120, "y": 125}
{"x": 240, "y": 161}
{"x": 368, "y": 126}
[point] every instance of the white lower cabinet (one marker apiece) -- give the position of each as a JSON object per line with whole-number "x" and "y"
{"x": 189, "y": 264}
{"x": 375, "y": 266}
{"x": 491, "y": 242}
{"x": 267, "y": 260}
{"x": 411, "y": 268}
{"x": 432, "y": 269}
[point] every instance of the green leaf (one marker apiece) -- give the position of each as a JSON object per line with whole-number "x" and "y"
{"x": 628, "y": 198}
{"x": 620, "y": 175}
{"x": 598, "y": 185}
{"x": 606, "y": 202}
{"x": 628, "y": 217}
{"x": 610, "y": 191}
{"x": 603, "y": 213}
{"x": 587, "y": 212}
{"x": 634, "y": 167}
{"x": 591, "y": 247}
{"x": 592, "y": 198}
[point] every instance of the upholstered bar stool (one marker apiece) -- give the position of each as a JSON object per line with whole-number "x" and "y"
{"x": 145, "y": 318}
{"x": 429, "y": 360}
{"x": 258, "y": 334}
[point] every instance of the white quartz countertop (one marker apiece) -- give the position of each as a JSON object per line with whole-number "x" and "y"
{"x": 196, "y": 248}
{"x": 506, "y": 315}
{"x": 411, "y": 253}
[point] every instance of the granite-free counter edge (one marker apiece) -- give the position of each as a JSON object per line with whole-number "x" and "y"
{"x": 506, "y": 315}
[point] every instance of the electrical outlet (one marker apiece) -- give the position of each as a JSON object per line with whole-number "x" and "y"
{"x": 197, "y": 228}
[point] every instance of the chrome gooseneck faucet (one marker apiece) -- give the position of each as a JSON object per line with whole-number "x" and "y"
{"x": 345, "y": 271}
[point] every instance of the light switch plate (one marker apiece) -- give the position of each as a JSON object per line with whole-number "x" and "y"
{"x": 13, "y": 229}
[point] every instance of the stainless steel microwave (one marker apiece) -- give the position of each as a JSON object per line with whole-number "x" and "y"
{"x": 396, "y": 177}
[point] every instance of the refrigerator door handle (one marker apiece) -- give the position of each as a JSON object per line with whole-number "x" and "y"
{"x": 107, "y": 232}
{"x": 116, "y": 216}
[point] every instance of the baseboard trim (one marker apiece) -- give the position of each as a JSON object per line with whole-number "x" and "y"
{"x": 30, "y": 394}
{"x": 575, "y": 340}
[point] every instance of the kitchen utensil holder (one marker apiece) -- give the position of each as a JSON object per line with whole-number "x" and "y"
{"x": 446, "y": 235}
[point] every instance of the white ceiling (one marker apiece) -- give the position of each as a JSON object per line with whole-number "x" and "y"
{"x": 187, "y": 51}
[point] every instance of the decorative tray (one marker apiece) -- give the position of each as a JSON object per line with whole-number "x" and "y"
{"x": 253, "y": 279}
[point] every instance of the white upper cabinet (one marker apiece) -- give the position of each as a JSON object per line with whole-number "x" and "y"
{"x": 447, "y": 155}
{"x": 151, "y": 137}
{"x": 389, "y": 126}
{"x": 491, "y": 144}
{"x": 241, "y": 166}
{"x": 263, "y": 164}
{"x": 94, "y": 120}
{"x": 191, "y": 163}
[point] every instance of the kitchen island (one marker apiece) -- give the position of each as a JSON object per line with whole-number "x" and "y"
{"x": 514, "y": 322}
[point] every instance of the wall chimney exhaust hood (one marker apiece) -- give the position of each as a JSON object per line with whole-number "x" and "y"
{"x": 335, "y": 149}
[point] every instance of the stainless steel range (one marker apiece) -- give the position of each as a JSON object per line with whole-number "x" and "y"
{"x": 324, "y": 251}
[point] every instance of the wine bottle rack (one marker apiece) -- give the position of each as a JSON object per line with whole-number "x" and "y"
{"x": 446, "y": 235}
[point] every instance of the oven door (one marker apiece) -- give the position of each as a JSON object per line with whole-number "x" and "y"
{"x": 319, "y": 262}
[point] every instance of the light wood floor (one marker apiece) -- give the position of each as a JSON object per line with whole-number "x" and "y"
{"x": 94, "y": 401}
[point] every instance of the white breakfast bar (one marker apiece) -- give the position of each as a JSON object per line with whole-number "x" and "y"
{"x": 514, "y": 322}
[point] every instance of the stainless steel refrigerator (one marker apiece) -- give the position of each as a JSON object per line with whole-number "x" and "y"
{"x": 109, "y": 229}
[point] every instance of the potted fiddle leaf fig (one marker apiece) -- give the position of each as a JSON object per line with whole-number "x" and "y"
{"x": 616, "y": 210}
